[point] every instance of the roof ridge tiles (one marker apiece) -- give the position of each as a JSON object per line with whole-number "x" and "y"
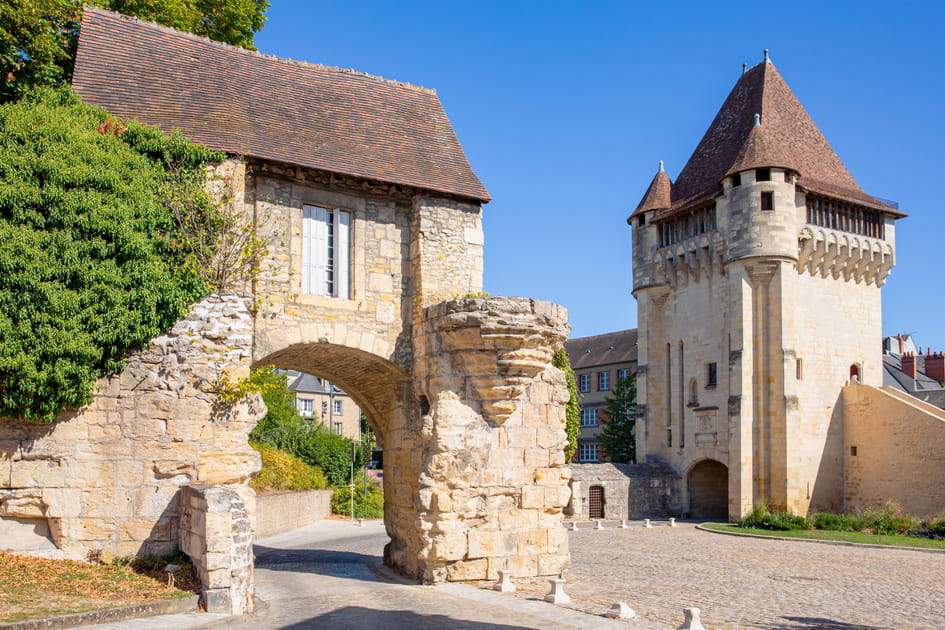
{"x": 257, "y": 53}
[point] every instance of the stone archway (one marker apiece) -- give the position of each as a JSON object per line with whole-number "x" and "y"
{"x": 707, "y": 483}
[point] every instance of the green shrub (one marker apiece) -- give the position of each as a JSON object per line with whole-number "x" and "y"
{"x": 284, "y": 471}
{"x": 762, "y": 518}
{"x": 91, "y": 263}
{"x": 834, "y": 522}
{"x": 370, "y": 505}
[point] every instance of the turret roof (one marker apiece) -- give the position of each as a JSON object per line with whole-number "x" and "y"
{"x": 786, "y": 137}
{"x": 658, "y": 195}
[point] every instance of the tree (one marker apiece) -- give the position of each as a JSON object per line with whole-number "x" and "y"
{"x": 38, "y": 37}
{"x": 572, "y": 411}
{"x": 618, "y": 437}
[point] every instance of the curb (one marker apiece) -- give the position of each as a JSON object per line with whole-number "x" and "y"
{"x": 839, "y": 543}
{"x": 108, "y": 615}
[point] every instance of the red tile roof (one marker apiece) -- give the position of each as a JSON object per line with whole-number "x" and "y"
{"x": 244, "y": 102}
{"x": 657, "y": 196}
{"x": 606, "y": 349}
{"x": 786, "y": 137}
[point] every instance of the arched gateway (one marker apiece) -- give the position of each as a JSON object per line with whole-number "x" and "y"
{"x": 371, "y": 218}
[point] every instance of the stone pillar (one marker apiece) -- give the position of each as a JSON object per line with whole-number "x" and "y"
{"x": 491, "y": 478}
{"x": 215, "y": 532}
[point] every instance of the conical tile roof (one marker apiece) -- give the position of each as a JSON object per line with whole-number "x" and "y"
{"x": 658, "y": 195}
{"x": 786, "y": 137}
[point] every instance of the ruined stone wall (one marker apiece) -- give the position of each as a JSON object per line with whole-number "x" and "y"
{"x": 106, "y": 478}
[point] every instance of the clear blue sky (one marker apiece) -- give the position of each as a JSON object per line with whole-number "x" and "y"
{"x": 565, "y": 108}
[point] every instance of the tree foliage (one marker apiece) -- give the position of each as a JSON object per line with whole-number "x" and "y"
{"x": 89, "y": 265}
{"x": 618, "y": 438}
{"x": 573, "y": 409}
{"x": 38, "y": 37}
{"x": 310, "y": 441}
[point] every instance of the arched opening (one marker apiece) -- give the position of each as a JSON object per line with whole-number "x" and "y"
{"x": 595, "y": 502}
{"x": 855, "y": 373}
{"x": 380, "y": 388}
{"x": 708, "y": 490}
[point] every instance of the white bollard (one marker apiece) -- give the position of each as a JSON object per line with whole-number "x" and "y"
{"x": 692, "y": 620}
{"x": 620, "y": 611}
{"x": 646, "y": 523}
{"x": 600, "y": 525}
{"x": 623, "y": 524}
{"x": 557, "y": 594}
{"x": 504, "y": 585}
{"x": 573, "y": 526}
{"x": 360, "y": 522}
{"x": 672, "y": 522}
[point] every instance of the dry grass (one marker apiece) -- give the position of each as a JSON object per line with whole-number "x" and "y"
{"x": 39, "y": 587}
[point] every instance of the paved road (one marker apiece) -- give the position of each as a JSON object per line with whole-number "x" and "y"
{"x": 754, "y": 583}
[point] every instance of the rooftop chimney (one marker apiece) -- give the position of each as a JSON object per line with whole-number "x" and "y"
{"x": 908, "y": 364}
{"x": 935, "y": 366}
{"x": 899, "y": 339}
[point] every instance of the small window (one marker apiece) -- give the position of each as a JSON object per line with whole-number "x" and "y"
{"x": 337, "y": 428}
{"x": 669, "y": 437}
{"x": 587, "y": 452}
{"x": 852, "y": 451}
{"x": 306, "y": 407}
{"x": 854, "y": 373}
{"x": 787, "y": 176}
{"x": 588, "y": 417}
{"x": 736, "y": 180}
{"x": 799, "y": 369}
{"x": 623, "y": 375}
{"x": 693, "y": 393}
{"x": 767, "y": 200}
{"x": 584, "y": 383}
{"x": 336, "y": 407}
{"x": 603, "y": 381}
{"x": 641, "y": 220}
{"x": 762, "y": 174}
{"x": 711, "y": 374}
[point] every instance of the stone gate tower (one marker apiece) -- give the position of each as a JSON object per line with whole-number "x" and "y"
{"x": 757, "y": 275}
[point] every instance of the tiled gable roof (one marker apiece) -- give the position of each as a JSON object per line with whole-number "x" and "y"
{"x": 606, "y": 349}
{"x": 243, "y": 102}
{"x": 787, "y": 137}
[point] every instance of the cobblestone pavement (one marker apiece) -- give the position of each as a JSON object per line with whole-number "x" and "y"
{"x": 751, "y": 583}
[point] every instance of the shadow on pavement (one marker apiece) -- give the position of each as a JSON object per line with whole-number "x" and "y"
{"x": 816, "y": 623}
{"x": 362, "y": 618}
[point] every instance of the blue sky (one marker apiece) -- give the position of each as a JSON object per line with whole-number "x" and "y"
{"x": 565, "y": 108}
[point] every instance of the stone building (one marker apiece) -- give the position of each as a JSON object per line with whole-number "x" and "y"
{"x": 319, "y": 400}
{"x": 372, "y": 216}
{"x": 599, "y": 363}
{"x": 757, "y": 275}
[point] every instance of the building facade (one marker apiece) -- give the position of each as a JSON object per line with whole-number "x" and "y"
{"x": 599, "y": 362}
{"x": 757, "y": 275}
{"x": 317, "y": 399}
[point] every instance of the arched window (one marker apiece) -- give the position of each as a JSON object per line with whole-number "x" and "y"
{"x": 693, "y": 393}
{"x": 854, "y": 373}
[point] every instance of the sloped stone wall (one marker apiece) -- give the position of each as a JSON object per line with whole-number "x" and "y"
{"x": 106, "y": 478}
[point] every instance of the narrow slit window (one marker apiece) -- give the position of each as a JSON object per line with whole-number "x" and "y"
{"x": 767, "y": 200}
{"x": 711, "y": 374}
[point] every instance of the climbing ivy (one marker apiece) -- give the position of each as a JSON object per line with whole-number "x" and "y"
{"x": 573, "y": 409}
{"x": 92, "y": 262}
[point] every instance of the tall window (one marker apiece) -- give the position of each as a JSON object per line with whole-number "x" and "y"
{"x": 767, "y": 200}
{"x": 603, "y": 381}
{"x": 623, "y": 375}
{"x": 326, "y": 235}
{"x": 587, "y": 452}
{"x": 337, "y": 408}
{"x": 711, "y": 374}
{"x": 306, "y": 407}
{"x": 584, "y": 383}
{"x": 588, "y": 417}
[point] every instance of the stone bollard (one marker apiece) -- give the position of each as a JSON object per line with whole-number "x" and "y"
{"x": 672, "y": 522}
{"x": 600, "y": 525}
{"x": 620, "y": 611}
{"x": 646, "y": 524}
{"x": 692, "y": 621}
{"x": 557, "y": 594}
{"x": 504, "y": 585}
{"x": 360, "y": 522}
{"x": 623, "y": 524}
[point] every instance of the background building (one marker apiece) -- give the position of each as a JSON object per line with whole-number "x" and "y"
{"x": 599, "y": 363}
{"x": 317, "y": 399}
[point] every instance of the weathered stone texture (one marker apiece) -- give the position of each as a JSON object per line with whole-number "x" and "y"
{"x": 107, "y": 476}
{"x": 645, "y": 490}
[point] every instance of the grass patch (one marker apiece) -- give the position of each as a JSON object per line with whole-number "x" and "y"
{"x": 843, "y": 536}
{"x": 31, "y": 588}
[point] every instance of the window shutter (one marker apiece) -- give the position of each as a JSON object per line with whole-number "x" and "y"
{"x": 314, "y": 250}
{"x": 342, "y": 252}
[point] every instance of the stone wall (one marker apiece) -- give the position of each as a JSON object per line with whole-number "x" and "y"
{"x": 645, "y": 490}
{"x": 893, "y": 451}
{"x": 215, "y": 532}
{"x": 283, "y": 511}
{"x": 106, "y": 478}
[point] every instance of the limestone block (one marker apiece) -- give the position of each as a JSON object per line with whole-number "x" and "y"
{"x": 178, "y": 471}
{"x": 522, "y": 566}
{"x": 553, "y": 564}
{"x": 91, "y": 474}
{"x": 137, "y": 529}
{"x": 557, "y": 539}
{"x": 151, "y": 450}
{"x": 22, "y": 503}
{"x": 518, "y": 519}
{"x": 191, "y": 429}
{"x": 38, "y": 474}
{"x": 46, "y": 448}
{"x": 467, "y": 570}
{"x": 107, "y": 502}
{"x": 449, "y": 546}
{"x": 486, "y": 544}
{"x": 536, "y": 458}
{"x": 226, "y": 467}
{"x": 63, "y": 502}
{"x": 130, "y": 473}
{"x": 533, "y": 497}
{"x": 153, "y": 501}
{"x": 82, "y": 529}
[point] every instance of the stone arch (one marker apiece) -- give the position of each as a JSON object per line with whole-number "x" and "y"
{"x": 707, "y": 484}
{"x": 373, "y": 382}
